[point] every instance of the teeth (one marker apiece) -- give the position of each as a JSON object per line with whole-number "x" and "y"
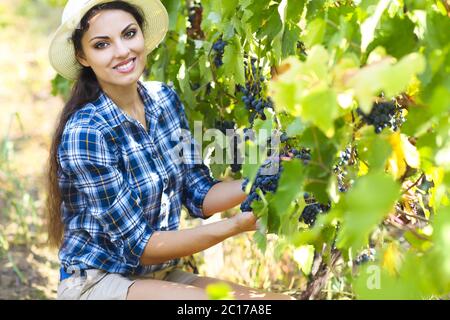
{"x": 126, "y": 66}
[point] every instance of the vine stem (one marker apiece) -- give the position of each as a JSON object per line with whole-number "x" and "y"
{"x": 412, "y": 215}
{"x": 405, "y": 228}
{"x": 317, "y": 145}
{"x": 415, "y": 183}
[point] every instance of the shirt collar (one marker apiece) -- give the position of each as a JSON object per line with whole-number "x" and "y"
{"x": 115, "y": 116}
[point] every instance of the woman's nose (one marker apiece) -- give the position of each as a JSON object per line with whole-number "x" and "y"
{"x": 121, "y": 49}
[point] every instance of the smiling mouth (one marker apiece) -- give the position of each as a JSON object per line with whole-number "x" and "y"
{"x": 125, "y": 66}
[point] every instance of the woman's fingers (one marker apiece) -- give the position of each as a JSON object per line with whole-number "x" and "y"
{"x": 247, "y": 221}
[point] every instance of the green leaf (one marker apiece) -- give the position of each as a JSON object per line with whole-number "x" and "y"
{"x": 374, "y": 149}
{"x": 289, "y": 186}
{"x": 184, "y": 82}
{"x": 366, "y": 204}
{"x": 296, "y": 127}
{"x": 434, "y": 36}
{"x": 172, "y": 6}
{"x": 270, "y": 25}
{"x": 294, "y": 10}
{"x": 441, "y": 239}
{"x": 375, "y": 283}
{"x": 290, "y": 38}
{"x": 417, "y": 120}
{"x": 402, "y": 73}
{"x": 314, "y": 8}
{"x": 261, "y": 241}
{"x": 321, "y": 108}
{"x": 315, "y": 32}
{"x": 385, "y": 76}
{"x": 440, "y": 100}
{"x": 218, "y": 169}
{"x": 304, "y": 256}
{"x": 369, "y": 25}
{"x": 318, "y": 170}
{"x": 229, "y": 8}
{"x": 234, "y": 59}
{"x": 253, "y": 161}
{"x": 389, "y": 33}
{"x": 219, "y": 291}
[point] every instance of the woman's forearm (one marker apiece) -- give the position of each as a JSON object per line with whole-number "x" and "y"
{"x": 223, "y": 196}
{"x": 167, "y": 245}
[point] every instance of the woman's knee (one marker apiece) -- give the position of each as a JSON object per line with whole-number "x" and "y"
{"x": 241, "y": 292}
{"x": 164, "y": 290}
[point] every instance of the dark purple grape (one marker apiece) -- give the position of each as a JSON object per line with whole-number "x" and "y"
{"x": 219, "y": 48}
{"x": 383, "y": 115}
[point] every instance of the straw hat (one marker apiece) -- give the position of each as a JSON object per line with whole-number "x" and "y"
{"x": 62, "y": 52}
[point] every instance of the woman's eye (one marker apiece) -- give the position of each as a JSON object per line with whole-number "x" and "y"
{"x": 130, "y": 33}
{"x": 100, "y": 45}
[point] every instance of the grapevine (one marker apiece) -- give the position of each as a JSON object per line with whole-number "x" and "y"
{"x": 362, "y": 119}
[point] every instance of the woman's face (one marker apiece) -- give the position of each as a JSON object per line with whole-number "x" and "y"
{"x": 113, "y": 47}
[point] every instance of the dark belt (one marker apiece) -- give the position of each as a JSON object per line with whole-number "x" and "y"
{"x": 63, "y": 275}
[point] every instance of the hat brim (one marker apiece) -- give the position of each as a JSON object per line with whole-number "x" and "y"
{"x": 62, "y": 52}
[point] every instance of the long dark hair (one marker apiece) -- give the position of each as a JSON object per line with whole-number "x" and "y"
{"x": 85, "y": 89}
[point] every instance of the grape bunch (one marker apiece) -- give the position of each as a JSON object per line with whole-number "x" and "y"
{"x": 236, "y": 166}
{"x": 383, "y": 115}
{"x": 303, "y": 154}
{"x": 310, "y": 212}
{"x": 312, "y": 209}
{"x": 219, "y": 48}
{"x": 223, "y": 126}
{"x": 347, "y": 157}
{"x": 366, "y": 256}
{"x": 269, "y": 173}
{"x": 341, "y": 175}
{"x": 267, "y": 183}
{"x": 301, "y": 49}
{"x": 253, "y": 96}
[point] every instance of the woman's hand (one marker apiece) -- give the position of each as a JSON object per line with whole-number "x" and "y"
{"x": 246, "y": 221}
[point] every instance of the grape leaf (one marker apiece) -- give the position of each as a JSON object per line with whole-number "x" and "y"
{"x": 315, "y": 32}
{"x": 304, "y": 256}
{"x": 389, "y": 33}
{"x": 289, "y": 185}
{"x": 321, "y": 108}
{"x": 233, "y": 57}
{"x": 369, "y": 81}
{"x": 366, "y": 204}
{"x": 374, "y": 149}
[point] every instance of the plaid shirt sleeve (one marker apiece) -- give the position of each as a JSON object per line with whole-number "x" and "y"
{"x": 93, "y": 167}
{"x": 198, "y": 180}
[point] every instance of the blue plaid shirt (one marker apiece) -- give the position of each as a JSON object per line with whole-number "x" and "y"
{"x": 120, "y": 183}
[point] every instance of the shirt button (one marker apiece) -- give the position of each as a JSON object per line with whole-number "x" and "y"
{"x": 154, "y": 156}
{"x": 166, "y": 180}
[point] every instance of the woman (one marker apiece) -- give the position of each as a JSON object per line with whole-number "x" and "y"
{"x": 115, "y": 194}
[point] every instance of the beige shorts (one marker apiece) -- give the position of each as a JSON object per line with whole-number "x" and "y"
{"x": 101, "y": 285}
